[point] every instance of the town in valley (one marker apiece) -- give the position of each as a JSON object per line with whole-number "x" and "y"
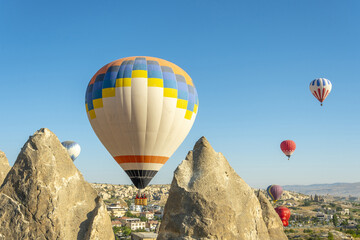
{"x": 312, "y": 216}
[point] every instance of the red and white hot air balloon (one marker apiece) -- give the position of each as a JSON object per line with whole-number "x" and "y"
{"x": 320, "y": 88}
{"x": 288, "y": 147}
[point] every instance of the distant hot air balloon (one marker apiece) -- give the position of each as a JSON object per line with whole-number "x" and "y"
{"x": 320, "y": 88}
{"x": 72, "y": 148}
{"x": 284, "y": 214}
{"x": 274, "y": 192}
{"x": 141, "y": 109}
{"x": 288, "y": 147}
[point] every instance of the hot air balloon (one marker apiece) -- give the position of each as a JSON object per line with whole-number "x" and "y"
{"x": 141, "y": 109}
{"x": 320, "y": 88}
{"x": 288, "y": 147}
{"x": 72, "y": 148}
{"x": 284, "y": 214}
{"x": 274, "y": 192}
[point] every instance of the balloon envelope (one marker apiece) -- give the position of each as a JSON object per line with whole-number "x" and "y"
{"x": 320, "y": 88}
{"x": 274, "y": 192}
{"x": 284, "y": 214}
{"x": 141, "y": 109}
{"x": 288, "y": 147}
{"x": 72, "y": 148}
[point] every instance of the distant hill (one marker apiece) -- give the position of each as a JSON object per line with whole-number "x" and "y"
{"x": 335, "y": 189}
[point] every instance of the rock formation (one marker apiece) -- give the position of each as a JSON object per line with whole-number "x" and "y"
{"x": 44, "y": 196}
{"x": 271, "y": 218}
{"x": 4, "y": 167}
{"x": 208, "y": 200}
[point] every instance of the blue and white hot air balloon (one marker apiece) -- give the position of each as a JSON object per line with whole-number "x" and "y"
{"x": 73, "y": 149}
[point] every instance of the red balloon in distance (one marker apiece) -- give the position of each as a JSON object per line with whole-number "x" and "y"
{"x": 288, "y": 147}
{"x": 284, "y": 214}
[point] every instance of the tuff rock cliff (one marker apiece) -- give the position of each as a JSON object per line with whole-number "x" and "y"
{"x": 44, "y": 196}
{"x": 4, "y": 167}
{"x": 271, "y": 218}
{"x": 208, "y": 200}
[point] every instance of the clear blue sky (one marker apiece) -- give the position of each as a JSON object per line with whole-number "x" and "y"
{"x": 251, "y": 61}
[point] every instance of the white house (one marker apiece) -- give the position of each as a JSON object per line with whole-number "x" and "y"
{"x": 133, "y": 223}
{"x": 147, "y": 214}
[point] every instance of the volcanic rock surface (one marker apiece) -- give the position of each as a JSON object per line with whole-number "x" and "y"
{"x": 44, "y": 196}
{"x": 271, "y": 218}
{"x": 208, "y": 200}
{"x": 4, "y": 167}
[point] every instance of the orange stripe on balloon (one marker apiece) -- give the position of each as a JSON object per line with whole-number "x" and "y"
{"x": 104, "y": 69}
{"x": 176, "y": 69}
{"x": 101, "y": 71}
{"x": 140, "y": 159}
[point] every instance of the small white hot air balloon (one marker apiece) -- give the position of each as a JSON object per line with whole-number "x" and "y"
{"x": 72, "y": 148}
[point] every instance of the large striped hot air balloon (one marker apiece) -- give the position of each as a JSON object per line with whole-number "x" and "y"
{"x": 73, "y": 149}
{"x": 288, "y": 147}
{"x": 284, "y": 214}
{"x": 320, "y": 88}
{"x": 141, "y": 109}
{"x": 274, "y": 192}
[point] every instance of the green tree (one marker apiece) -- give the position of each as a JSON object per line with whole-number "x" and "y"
{"x": 140, "y": 230}
{"x": 344, "y": 223}
{"x": 129, "y": 214}
{"x": 116, "y": 229}
{"x": 330, "y": 236}
{"x": 143, "y": 219}
{"x": 307, "y": 203}
{"x": 126, "y": 231}
{"x": 335, "y": 220}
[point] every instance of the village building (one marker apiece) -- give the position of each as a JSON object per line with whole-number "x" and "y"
{"x": 152, "y": 224}
{"x": 147, "y": 214}
{"x": 132, "y": 223}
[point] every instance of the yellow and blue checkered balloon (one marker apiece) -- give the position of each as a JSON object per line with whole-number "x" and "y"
{"x": 141, "y": 109}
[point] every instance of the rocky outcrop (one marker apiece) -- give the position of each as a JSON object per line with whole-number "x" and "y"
{"x": 271, "y": 218}
{"x": 208, "y": 200}
{"x": 4, "y": 167}
{"x": 44, "y": 196}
